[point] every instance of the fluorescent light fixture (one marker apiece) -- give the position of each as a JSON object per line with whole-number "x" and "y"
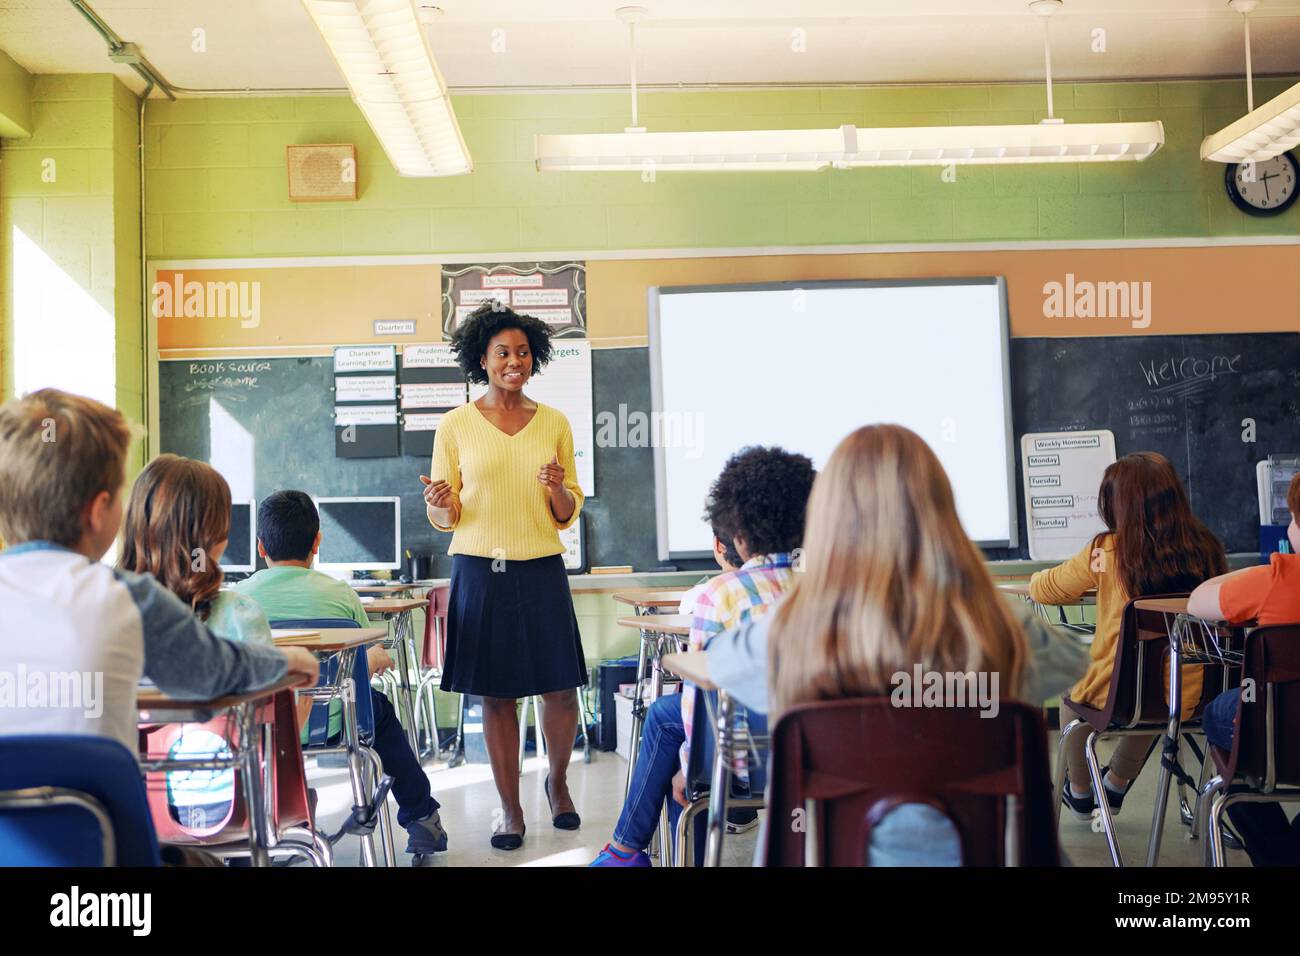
{"x": 1051, "y": 141}
{"x": 1262, "y": 133}
{"x": 382, "y": 51}
{"x": 849, "y": 146}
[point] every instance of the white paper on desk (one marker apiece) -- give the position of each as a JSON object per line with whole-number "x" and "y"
{"x": 1063, "y": 473}
{"x": 565, "y": 384}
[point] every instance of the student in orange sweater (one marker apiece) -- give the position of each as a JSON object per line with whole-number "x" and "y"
{"x": 1268, "y": 594}
{"x": 1153, "y": 545}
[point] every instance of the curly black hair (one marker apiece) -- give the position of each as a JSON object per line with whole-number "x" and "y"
{"x": 475, "y": 331}
{"x": 761, "y": 496}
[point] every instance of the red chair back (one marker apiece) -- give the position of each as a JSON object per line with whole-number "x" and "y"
{"x": 1265, "y": 739}
{"x": 856, "y": 760}
{"x": 434, "y": 651}
{"x": 290, "y": 804}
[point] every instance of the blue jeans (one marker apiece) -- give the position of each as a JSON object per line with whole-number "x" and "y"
{"x": 1271, "y": 840}
{"x": 657, "y": 762}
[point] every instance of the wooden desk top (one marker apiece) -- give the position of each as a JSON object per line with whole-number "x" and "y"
{"x": 394, "y": 605}
{"x": 651, "y": 597}
{"x": 692, "y": 666}
{"x": 383, "y": 588}
{"x": 678, "y": 624}
{"x": 329, "y": 639}
{"x": 1163, "y": 605}
{"x": 153, "y": 699}
{"x": 1021, "y": 589}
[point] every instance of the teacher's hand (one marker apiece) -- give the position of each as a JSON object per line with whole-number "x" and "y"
{"x": 552, "y": 475}
{"x": 437, "y": 494}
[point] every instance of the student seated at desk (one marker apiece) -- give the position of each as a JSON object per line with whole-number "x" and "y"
{"x": 1268, "y": 595}
{"x": 889, "y": 580}
{"x": 1153, "y": 545}
{"x": 177, "y": 529}
{"x": 62, "y": 477}
{"x": 289, "y": 588}
{"x": 758, "y": 504}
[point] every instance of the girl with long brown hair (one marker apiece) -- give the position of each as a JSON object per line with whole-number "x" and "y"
{"x": 177, "y": 528}
{"x": 889, "y": 580}
{"x": 1153, "y": 544}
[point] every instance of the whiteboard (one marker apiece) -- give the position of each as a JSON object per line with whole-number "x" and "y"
{"x": 1063, "y": 472}
{"x": 803, "y": 365}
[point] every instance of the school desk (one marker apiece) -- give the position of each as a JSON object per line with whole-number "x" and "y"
{"x": 694, "y": 667}
{"x": 1192, "y": 640}
{"x": 345, "y": 642}
{"x": 659, "y": 633}
{"x": 396, "y": 614}
{"x": 251, "y": 749}
{"x": 1080, "y": 628}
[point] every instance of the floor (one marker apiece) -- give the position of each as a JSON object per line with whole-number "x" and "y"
{"x": 469, "y": 802}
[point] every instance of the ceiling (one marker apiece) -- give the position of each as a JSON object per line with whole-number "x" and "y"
{"x": 272, "y": 44}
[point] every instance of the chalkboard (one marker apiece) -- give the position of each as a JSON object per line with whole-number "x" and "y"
{"x": 1188, "y": 397}
{"x": 1183, "y": 396}
{"x": 282, "y": 408}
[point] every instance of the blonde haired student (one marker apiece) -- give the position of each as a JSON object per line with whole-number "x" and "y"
{"x": 62, "y": 474}
{"x": 890, "y": 580}
{"x": 1153, "y": 544}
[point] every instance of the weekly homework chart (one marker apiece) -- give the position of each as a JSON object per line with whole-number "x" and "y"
{"x": 1063, "y": 472}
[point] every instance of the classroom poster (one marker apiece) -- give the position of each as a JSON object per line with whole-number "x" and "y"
{"x": 1063, "y": 473}
{"x": 555, "y": 292}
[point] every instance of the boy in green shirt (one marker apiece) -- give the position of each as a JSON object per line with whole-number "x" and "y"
{"x": 288, "y": 537}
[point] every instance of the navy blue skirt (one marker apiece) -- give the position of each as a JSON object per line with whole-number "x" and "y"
{"x": 511, "y": 633}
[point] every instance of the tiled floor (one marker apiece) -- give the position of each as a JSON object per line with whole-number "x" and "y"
{"x": 469, "y": 800}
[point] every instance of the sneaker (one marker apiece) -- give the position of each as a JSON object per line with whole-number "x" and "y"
{"x": 1081, "y": 807}
{"x": 426, "y": 836}
{"x": 611, "y": 857}
{"x": 741, "y": 821}
{"x": 1115, "y": 800}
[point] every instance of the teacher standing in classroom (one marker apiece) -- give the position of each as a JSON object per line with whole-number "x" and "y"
{"x": 503, "y": 480}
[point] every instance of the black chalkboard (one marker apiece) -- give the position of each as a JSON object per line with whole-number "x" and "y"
{"x": 1183, "y": 396}
{"x": 1190, "y": 397}
{"x": 286, "y": 406}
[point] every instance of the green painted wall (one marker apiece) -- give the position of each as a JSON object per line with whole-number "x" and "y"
{"x": 216, "y": 180}
{"x": 15, "y": 99}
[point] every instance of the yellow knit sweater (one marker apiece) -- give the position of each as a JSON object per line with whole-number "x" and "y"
{"x": 505, "y": 511}
{"x": 1065, "y": 583}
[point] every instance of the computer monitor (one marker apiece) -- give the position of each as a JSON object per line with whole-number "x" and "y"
{"x": 357, "y": 534}
{"x": 241, "y": 547}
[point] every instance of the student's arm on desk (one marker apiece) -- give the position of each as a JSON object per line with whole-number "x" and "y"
{"x": 186, "y": 660}
{"x": 738, "y": 662}
{"x": 1068, "y": 581}
{"x": 1233, "y": 597}
{"x": 1056, "y": 660}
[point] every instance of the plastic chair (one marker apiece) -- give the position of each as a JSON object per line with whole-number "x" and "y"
{"x": 72, "y": 800}
{"x": 839, "y": 767}
{"x": 289, "y": 803}
{"x": 1135, "y": 702}
{"x": 700, "y": 771}
{"x": 1264, "y": 763}
{"x": 433, "y": 653}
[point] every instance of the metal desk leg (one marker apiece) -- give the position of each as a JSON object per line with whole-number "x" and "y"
{"x": 638, "y": 716}
{"x": 1173, "y": 732}
{"x": 356, "y": 773}
{"x": 406, "y": 697}
{"x": 720, "y": 785}
{"x": 250, "y": 749}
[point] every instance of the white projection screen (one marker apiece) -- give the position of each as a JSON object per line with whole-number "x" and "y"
{"x": 801, "y": 365}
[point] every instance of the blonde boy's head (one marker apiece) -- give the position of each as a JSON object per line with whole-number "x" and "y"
{"x": 58, "y": 452}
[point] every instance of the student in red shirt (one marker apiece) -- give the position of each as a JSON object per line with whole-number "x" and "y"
{"x": 1268, "y": 594}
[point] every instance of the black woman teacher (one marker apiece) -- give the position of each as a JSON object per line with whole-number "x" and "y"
{"x": 502, "y": 479}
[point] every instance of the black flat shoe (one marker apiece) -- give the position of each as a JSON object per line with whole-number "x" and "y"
{"x": 562, "y": 821}
{"x": 508, "y": 841}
